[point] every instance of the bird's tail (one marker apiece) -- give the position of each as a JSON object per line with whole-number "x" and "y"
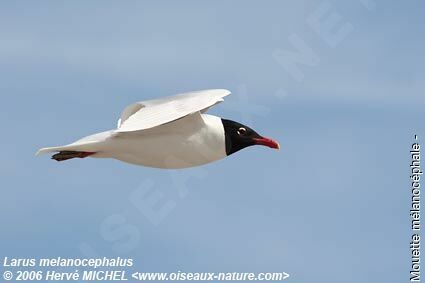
{"x": 67, "y": 152}
{"x": 85, "y": 147}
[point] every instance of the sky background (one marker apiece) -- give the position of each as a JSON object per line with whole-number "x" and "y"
{"x": 332, "y": 205}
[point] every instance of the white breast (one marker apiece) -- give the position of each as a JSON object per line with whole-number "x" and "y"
{"x": 190, "y": 141}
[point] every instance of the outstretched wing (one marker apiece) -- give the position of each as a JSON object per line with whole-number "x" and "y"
{"x": 151, "y": 113}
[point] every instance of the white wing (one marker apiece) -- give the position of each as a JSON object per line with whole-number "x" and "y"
{"x": 151, "y": 113}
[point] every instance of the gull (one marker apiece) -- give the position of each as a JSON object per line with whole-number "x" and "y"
{"x": 171, "y": 132}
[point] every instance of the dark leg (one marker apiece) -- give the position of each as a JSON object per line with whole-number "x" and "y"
{"x": 65, "y": 155}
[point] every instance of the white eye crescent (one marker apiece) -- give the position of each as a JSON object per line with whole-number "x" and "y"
{"x": 241, "y": 131}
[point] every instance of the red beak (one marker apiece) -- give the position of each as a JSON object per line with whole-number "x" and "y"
{"x": 267, "y": 142}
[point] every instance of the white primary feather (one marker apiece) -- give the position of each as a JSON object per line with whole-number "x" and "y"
{"x": 151, "y": 113}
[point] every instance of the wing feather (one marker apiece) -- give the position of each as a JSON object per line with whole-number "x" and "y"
{"x": 151, "y": 113}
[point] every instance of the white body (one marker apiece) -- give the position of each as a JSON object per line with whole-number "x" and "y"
{"x": 169, "y": 132}
{"x": 190, "y": 141}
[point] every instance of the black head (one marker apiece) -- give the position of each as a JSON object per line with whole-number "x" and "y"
{"x": 239, "y": 136}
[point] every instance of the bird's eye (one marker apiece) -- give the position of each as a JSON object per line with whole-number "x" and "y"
{"x": 242, "y": 131}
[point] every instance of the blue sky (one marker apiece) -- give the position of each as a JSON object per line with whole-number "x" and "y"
{"x": 332, "y": 204}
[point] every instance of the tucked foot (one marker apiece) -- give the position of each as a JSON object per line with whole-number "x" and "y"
{"x": 65, "y": 155}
